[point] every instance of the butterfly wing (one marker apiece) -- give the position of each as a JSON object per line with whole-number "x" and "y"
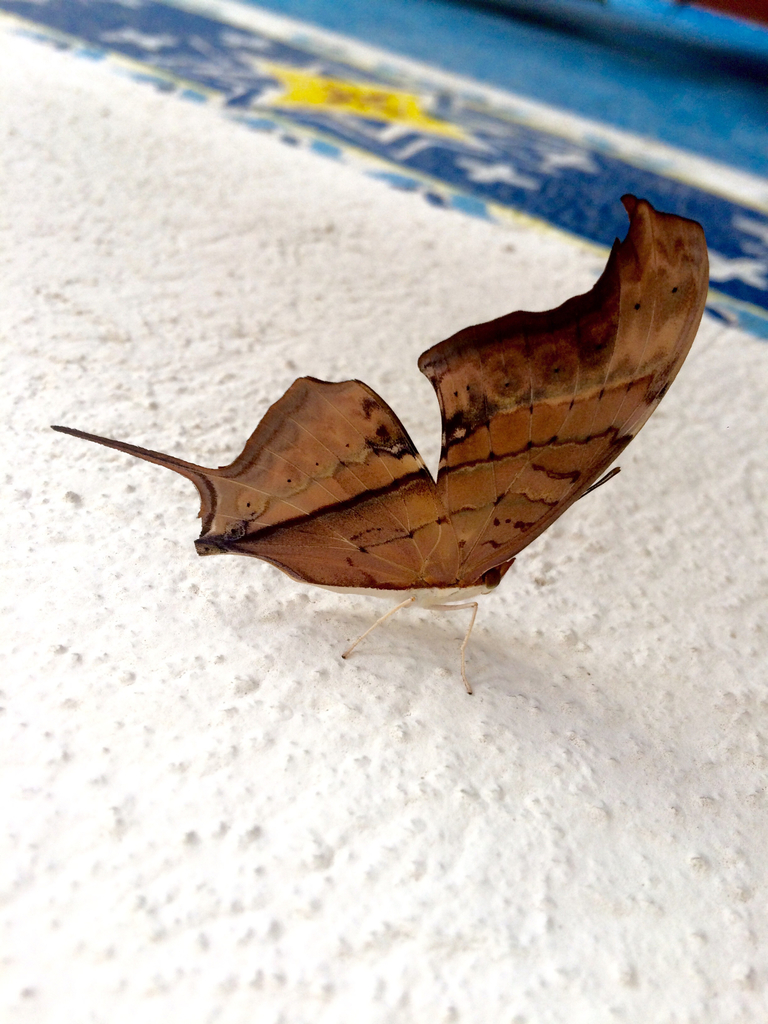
{"x": 330, "y": 489}
{"x": 535, "y": 406}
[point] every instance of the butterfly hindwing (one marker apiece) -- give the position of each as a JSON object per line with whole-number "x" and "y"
{"x": 329, "y": 488}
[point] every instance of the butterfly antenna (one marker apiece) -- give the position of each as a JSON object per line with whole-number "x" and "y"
{"x": 378, "y": 622}
{"x": 603, "y": 480}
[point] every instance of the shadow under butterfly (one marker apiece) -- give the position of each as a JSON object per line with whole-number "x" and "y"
{"x": 535, "y": 406}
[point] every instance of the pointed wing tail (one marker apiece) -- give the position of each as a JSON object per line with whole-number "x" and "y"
{"x": 199, "y": 476}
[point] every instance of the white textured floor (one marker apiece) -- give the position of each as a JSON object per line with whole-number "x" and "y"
{"x": 207, "y": 815}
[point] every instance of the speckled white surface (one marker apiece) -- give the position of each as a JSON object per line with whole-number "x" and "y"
{"x": 207, "y": 815}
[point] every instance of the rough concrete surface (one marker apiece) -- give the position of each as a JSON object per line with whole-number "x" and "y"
{"x": 207, "y": 815}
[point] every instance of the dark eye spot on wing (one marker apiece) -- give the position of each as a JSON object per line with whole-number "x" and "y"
{"x": 637, "y": 305}
{"x": 674, "y": 290}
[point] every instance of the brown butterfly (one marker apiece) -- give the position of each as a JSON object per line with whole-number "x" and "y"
{"x": 330, "y": 488}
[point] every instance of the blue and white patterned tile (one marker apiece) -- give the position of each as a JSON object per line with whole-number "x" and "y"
{"x": 468, "y": 147}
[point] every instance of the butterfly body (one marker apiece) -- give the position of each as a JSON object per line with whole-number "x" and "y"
{"x": 535, "y": 406}
{"x": 424, "y": 597}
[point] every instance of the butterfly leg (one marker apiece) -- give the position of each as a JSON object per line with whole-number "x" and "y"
{"x": 378, "y": 622}
{"x": 455, "y": 607}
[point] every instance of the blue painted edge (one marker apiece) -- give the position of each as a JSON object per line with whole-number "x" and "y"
{"x": 441, "y": 189}
{"x": 675, "y": 23}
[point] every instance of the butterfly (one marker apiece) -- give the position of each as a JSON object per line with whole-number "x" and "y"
{"x": 535, "y": 406}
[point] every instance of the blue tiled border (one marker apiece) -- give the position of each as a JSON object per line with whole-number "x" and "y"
{"x": 460, "y": 152}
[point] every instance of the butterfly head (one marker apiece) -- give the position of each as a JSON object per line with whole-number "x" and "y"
{"x": 491, "y": 578}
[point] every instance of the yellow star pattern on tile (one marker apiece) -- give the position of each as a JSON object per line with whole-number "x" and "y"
{"x": 360, "y": 98}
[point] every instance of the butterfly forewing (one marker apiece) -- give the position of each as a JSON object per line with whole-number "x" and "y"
{"x": 536, "y": 405}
